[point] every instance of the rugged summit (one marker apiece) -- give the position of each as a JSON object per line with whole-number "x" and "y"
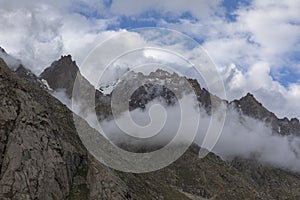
{"x": 156, "y": 85}
{"x": 61, "y": 74}
{"x": 249, "y": 106}
{"x": 2, "y": 50}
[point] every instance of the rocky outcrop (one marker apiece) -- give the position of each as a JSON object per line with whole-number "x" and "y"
{"x": 249, "y": 106}
{"x": 165, "y": 86}
{"x": 28, "y": 75}
{"x": 61, "y": 74}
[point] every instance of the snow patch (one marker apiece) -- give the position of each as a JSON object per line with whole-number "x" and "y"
{"x": 46, "y": 84}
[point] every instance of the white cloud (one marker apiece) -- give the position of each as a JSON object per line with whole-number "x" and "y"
{"x": 198, "y": 8}
{"x": 246, "y": 137}
{"x": 265, "y": 31}
{"x": 39, "y": 32}
{"x": 263, "y": 40}
{"x": 241, "y": 136}
{"x": 275, "y": 26}
{"x": 257, "y": 79}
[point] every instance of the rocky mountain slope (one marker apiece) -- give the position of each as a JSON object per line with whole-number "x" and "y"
{"x": 61, "y": 75}
{"x": 42, "y": 157}
{"x": 40, "y": 154}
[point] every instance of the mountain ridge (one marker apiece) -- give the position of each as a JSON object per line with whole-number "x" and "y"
{"x": 67, "y": 71}
{"x": 247, "y": 105}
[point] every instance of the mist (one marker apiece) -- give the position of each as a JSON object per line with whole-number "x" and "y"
{"x": 241, "y": 136}
{"x": 11, "y": 62}
{"x": 249, "y": 138}
{"x": 156, "y": 125}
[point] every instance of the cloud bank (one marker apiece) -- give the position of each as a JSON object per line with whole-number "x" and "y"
{"x": 241, "y": 136}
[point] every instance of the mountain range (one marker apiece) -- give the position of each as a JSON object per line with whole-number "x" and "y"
{"x": 42, "y": 156}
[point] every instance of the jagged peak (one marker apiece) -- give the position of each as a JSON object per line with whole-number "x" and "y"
{"x": 22, "y": 68}
{"x": 66, "y": 59}
{"x": 249, "y": 97}
{"x": 11, "y": 61}
{"x": 159, "y": 70}
{"x": 252, "y": 107}
{"x": 62, "y": 74}
{"x": 65, "y": 65}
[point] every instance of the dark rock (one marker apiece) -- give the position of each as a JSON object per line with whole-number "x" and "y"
{"x": 31, "y": 77}
{"x": 61, "y": 74}
{"x": 40, "y": 154}
{"x": 251, "y": 107}
{"x": 2, "y": 50}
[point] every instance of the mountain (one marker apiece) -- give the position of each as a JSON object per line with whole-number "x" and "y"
{"x": 162, "y": 84}
{"x": 42, "y": 157}
{"x": 17, "y": 66}
{"x": 249, "y": 106}
{"x": 62, "y": 73}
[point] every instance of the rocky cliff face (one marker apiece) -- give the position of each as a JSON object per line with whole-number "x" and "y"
{"x": 40, "y": 155}
{"x": 61, "y": 74}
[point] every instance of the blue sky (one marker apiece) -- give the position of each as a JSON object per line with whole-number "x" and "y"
{"x": 231, "y": 6}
